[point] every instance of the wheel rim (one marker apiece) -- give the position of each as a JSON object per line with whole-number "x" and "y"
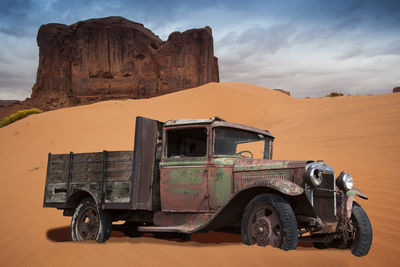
{"x": 265, "y": 227}
{"x": 88, "y": 224}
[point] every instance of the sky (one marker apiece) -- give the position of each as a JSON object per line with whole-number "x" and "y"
{"x": 307, "y": 47}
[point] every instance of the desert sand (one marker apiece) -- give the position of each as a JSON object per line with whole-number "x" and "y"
{"x": 358, "y": 134}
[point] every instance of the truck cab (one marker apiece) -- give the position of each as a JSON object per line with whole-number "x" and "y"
{"x": 197, "y": 163}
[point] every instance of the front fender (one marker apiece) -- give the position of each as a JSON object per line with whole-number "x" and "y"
{"x": 350, "y": 199}
{"x": 233, "y": 208}
{"x": 356, "y": 192}
{"x": 284, "y": 186}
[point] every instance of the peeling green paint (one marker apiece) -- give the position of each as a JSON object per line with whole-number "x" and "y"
{"x": 242, "y": 166}
{"x": 223, "y": 184}
{"x": 183, "y": 191}
{"x": 186, "y": 176}
{"x": 224, "y": 161}
{"x": 195, "y": 162}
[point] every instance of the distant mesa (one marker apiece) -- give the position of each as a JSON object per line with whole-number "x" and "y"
{"x": 396, "y": 89}
{"x": 283, "y": 91}
{"x": 115, "y": 58}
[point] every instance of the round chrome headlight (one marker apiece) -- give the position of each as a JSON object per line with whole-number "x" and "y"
{"x": 345, "y": 181}
{"x": 313, "y": 176}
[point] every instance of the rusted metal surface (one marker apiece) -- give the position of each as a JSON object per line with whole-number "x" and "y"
{"x": 328, "y": 227}
{"x": 184, "y": 188}
{"x": 263, "y": 164}
{"x": 349, "y": 205}
{"x": 284, "y": 186}
{"x": 220, "y": 185}
{"x": 218, "y": 123}
{"x": 145, "y": 178}
{"x": 356, "y": 192}
{"x": 189, "y": 221}
{"x": 264, "y": 226}
{"x": 188, "y": 122}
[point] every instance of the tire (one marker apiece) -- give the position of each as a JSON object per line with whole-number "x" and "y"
{"x": 89, "y": 222}
{"x": 362, "y": 236}
{"x": 268, "y": 219}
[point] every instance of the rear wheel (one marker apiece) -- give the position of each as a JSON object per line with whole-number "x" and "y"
{"x": 89, "y": 222}
{"x": 269, "y": 220}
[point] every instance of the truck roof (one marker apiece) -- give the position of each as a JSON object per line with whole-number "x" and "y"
{"x": 217, "y": 121}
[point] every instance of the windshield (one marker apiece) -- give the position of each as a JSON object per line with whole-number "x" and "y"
{"x": 231, "y": 141}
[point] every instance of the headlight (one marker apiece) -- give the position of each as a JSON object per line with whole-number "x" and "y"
{"x": 345, "y": 181}
{"x": 313, "y": 176}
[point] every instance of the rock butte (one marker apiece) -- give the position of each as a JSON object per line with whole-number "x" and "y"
{"x": 114, "y": 58}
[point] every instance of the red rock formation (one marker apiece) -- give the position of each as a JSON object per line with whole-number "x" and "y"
{"x": 113, "y": 58}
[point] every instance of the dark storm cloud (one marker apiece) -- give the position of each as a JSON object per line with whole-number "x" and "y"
{"x": 15, "y": 17}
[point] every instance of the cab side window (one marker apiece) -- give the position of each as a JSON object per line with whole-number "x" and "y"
{"x": 186, "y": 142}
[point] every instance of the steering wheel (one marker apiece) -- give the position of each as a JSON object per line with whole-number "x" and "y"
{"x": 245, "y": 151}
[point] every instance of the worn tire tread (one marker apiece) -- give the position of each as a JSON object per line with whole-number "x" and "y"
{"x": 105, "y": 222}
{"x": 285, "y": 214}
{"x": 363, "y": 239}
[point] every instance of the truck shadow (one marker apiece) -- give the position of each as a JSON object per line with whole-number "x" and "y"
{"x": 62, "y": 234}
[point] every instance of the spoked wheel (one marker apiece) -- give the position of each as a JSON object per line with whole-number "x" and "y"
{"x": 269, "y": 220}
{"x": 265, "y": 227}
{"x": 90, "y": 223}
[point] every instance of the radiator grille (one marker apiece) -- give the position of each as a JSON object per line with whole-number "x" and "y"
{"x": 324, "y": 200}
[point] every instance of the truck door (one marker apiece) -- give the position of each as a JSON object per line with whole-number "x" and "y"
{"x": 184, "y": 169}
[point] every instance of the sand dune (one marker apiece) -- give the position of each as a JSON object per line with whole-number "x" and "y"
{"x": 359, "y": 134}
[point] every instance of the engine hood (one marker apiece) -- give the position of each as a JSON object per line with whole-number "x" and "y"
{"x": 244, "y": 164}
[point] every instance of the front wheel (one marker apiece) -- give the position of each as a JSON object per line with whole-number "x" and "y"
{"x": 89, "y": 222}
{"x": 269, "y": 220}
{"x": 362, "y": 235}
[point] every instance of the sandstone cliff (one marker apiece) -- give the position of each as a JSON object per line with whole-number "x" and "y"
{"x": 114, "y": 58}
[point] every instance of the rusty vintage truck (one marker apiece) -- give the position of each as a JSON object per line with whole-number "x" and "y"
{"x": 187, "y": 176}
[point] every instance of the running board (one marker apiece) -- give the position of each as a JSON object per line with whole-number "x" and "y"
{"x": 177, "y": 222}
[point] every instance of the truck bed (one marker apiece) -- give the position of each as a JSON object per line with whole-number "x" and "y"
{"x": 115, "y": 179}
{"x": 105, "y": 174}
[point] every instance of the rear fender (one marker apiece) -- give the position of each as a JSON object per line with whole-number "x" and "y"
{"x": 78, "y": 195}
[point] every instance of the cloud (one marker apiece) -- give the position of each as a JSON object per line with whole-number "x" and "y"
{"x": 254, "y": 42}
{"x": 307, "y": 47}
